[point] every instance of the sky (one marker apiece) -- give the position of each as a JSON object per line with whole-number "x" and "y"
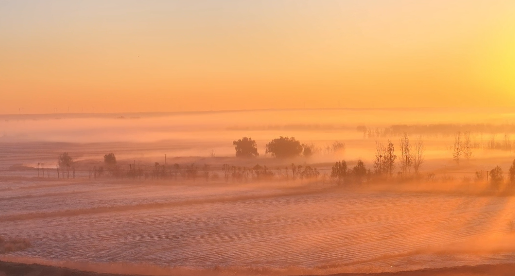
{"x": 175, "y": 56}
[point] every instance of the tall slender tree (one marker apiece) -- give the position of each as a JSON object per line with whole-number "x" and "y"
{"x": 406, "y": 157}
{"x": 418, "y": 155}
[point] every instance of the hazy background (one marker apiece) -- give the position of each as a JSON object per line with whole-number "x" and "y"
{"x": 168, "y": 56}
{"x": 206, "y": 137}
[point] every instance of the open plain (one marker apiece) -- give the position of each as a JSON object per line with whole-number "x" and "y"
{"x": 166, "y": 223}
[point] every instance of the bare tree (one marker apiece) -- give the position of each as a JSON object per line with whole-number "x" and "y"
{"x": 406, "y": 157}
{"x": 507, "y": 142}
{"x": 379, "y": 166}
{"x": 418, "y": 155}
{"x": 466, "y": 146}
{"x": 384, "y": 159}
{"x": 390, "y": 157}
{"x": 462, "y": 147}
{"x": 457, "y": 148}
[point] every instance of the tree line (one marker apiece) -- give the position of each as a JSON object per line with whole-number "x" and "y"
{"x": 386, "y": 164}
{"x": 282, "y": 147}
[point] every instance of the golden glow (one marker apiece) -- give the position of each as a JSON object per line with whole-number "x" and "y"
{"x": 499, "y": 69}
{"x": 95, "y": 56}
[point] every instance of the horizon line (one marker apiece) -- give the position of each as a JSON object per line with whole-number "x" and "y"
{"x": 250, "y": 110}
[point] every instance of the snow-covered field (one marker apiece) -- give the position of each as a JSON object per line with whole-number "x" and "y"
{"x": 284, "y": 225}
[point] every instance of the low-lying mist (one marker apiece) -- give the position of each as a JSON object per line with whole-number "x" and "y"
{"x": 307, "y": 125}
{"x": 177, "y": 200}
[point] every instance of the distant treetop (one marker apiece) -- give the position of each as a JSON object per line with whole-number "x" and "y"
{"x": 245, "y": 147}
{"x": 284, "y": 147}
{"x": 110, "y": 159}
{"x": 64, "y": 160}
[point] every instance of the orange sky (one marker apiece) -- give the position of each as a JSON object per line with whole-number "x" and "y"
{"x": 141, "y": 56}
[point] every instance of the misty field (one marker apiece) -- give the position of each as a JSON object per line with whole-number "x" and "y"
{"x": 251, "y": 215}
{"x": 279, "y": 227}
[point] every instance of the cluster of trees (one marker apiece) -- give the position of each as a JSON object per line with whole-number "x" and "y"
{"x": 412, "y": 154}
{"x": 462, "y": 147}
{"x": 189, "y": 171}
{"x": 411, "y": 158}
{"x": 496, "y": 177}
{"x": 245, "y": 147}
{"x": 282, "y": 147}
{"x": 65, "y": 164}
{"x": 505, "y": 144}
{"x": 357, "y": 174}
{"x": 464, "y": 141}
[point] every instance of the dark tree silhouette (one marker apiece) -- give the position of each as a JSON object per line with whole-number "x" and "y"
{"x": 110, "y": 163}
{"x": 339, "y": 171}
{"x": 245, "y": 147}
{"x": 359, "y": 171}
{"x": 262, "y": 172}
{"x": 65, "y": 161}
{"x": 385, "y": 159}
{"x": 284, "y": 147}
{"x": 309, "y": 173}
{"x": 406, "y": 154}
{"x": 457, "y": 149}
{"x": 110, "y": 159}
{"x": 496, "y": 177}
{"x": 309, "y": 150}
{"x": 379, "y": 164}
{"x": 390, "y": 157}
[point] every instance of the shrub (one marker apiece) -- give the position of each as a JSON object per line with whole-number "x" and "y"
{"x": 110, "y": 159}
{"x": 284, "y": 147}
{"x": 245, "y": 147}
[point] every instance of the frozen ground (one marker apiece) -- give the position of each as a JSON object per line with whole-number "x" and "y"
{"x": 282, "y": 225}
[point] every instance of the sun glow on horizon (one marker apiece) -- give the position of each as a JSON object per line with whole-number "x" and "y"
{"x": 500, "y": 65}
{"x": 153, "y": 56}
